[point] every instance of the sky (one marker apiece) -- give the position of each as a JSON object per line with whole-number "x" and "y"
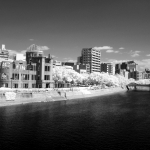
{"x": 119, "y": 28}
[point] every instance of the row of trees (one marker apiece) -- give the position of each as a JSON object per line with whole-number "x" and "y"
{"x": 70, "y": 76}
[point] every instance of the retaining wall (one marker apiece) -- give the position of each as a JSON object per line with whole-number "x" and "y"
{"x": 28, "y": 96}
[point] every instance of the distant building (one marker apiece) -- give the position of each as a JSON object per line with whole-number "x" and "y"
{"x": 139, "y": 75}
{"x": 107, "y": 68}
{"x": 20, "y": 57}
{"x": 57, "y": 63}
{"x": 145, "y": 75}
{"x": 92, "y": 57}
{"x": 80, "y": 59}
{"x": 130, "y": 67}
{"x": 67, "y": 67}
{"x": 68, "y": 63}
{"x": 82, "y": 68}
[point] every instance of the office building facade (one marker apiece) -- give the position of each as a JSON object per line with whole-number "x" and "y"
{"x": 82, "y": 68}
{"x": 92, "y": 57}
{"x": 108, "y": 68}
{"x": 129, "y": 66}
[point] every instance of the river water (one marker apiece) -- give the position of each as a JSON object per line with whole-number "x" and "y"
{"x": 115, "y": 121}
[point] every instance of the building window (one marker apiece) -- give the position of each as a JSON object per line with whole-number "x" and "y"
{"x": 33, "y": 85}
{"x": 47, "y": 68}
{"x": 25, "y": 76}
{"x": 39, "y": 86}
{"x": 25, "y": 85}
{"x": 15, "y": 76}
{"x": 34, "y": 67}
{"x": 15, "y": 85}
{"x": 46, "y": 77}
{"x": 14, "y": 66}
{"x": 38, "y": 77}
{"x": 47, "y": 85}
{"x": 5, "y": 85}
{"x": 33, "y": 77}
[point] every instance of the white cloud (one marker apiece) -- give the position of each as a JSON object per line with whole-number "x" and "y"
{"x": 115, "y": 61}
{"x": 42, "y": 48}
{"x": 69, "y": 59}
{"x": 110, "y": 51}
{"x": 54, "y": 56}
{"x": 145, "y": 63}
{"x": 134, "y": 53}
{"x": 148, "y": 55}
{"x": 31, "y": 39}
{"x": 23, "y": 51}
{"x": 121, "y": 48}
{"x": 12, "y": 52}
{"x": 102, "y": 48}
{"x": 107, "y": 48}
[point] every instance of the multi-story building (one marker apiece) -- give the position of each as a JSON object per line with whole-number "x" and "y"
{"x": 129, "y": 66}
{"x": 82, "y": 68}
{"x": 137, "y": 75}
{"x": 35, "y": 72}
{"x": 92, "y": 57}
{"x": 145, "y": 75}
{"x": 108, "y": 68}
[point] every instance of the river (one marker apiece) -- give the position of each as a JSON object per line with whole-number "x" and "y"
{"x": 115, "y": 121}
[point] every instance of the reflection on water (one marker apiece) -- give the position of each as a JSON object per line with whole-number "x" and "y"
{"x": 115, "y": 121}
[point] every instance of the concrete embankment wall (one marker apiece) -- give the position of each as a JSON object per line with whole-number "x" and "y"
{"x": 138, "y": 87}
{"x": 142, "y": 88}
{"x": 27, "y": 96}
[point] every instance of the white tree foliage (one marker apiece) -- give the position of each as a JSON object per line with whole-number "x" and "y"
{"x": 68, "y": 75}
